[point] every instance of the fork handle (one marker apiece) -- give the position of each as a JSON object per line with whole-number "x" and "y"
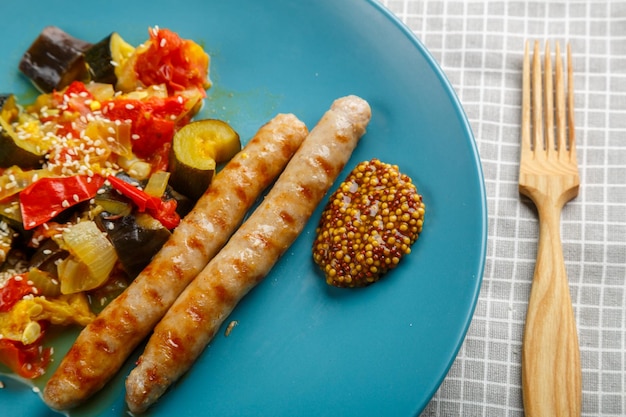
{"x": 551, "y": 373}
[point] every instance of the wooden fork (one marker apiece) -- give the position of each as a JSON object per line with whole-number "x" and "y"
{"x": 551, "y": 373}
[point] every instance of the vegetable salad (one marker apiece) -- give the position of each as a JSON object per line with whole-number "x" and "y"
{"x": 84, "y": 195}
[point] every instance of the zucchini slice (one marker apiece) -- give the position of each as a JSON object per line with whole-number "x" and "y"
{"x": 55, "y": 59}
{"x": 14, "y": 151}
{"x": 104, "y": 57}
{"x": 196, "y": 150}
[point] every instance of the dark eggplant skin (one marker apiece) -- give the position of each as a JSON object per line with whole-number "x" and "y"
{"x": 134, "y": 243}
{"x": 46, "y": 256}
{"x": 99, "y": 62}
{"x": 55, "y": 59}
{"x": 136, "y": 237}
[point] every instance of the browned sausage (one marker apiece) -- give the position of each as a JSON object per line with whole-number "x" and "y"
{"x": 195, "y": 317}
{"x": 104, "y": 345}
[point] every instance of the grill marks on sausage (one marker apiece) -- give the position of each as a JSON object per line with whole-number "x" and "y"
{"x": 323, "y": 163}
{"x": 103, "y": 346}
{"x": 251, "y": 252}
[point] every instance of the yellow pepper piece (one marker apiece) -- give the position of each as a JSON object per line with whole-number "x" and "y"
{"x": 21, "y": 322}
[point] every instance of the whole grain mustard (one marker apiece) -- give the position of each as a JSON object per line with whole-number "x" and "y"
{"x": 368, "y": 225}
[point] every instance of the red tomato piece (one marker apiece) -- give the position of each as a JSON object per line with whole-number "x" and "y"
{"x": 178, "y": 63}
{"x": 153, "y": 121}
{"x": 28, "y": 361}
{"x": 75, "y": 98}
{"x": 13, "y": 290}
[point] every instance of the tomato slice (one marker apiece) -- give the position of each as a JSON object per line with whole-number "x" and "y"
{"x": 28, "y": 361}
{"x": 13, "y": 290}
{"x": 153, "y": 121}
{"x": 178, "y": 63}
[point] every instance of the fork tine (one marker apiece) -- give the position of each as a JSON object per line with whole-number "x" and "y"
{"x": 526, "y": 144}
{"x": 561, "y": 126}
{"x": 549, "y": 102}
{"x": 537, "y": 107}
{"x": 570, "y": 106}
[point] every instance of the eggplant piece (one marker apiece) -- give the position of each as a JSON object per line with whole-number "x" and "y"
{"x": 183, "y": 203}
{"x": 10, "y": 214}
{"x": 55, "y": 59}
{"x": 47, "y": 256}
{"x": 105, "y": 56}
{"x": 16, "y": 259}
{"x": 196, "y": 149}
{"x": 113, "y": 202}
{"x": 14, "y": 151}
{"x": 136, "y": 238}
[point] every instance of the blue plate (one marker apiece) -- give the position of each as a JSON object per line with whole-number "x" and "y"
{"x": 302, "y": 347}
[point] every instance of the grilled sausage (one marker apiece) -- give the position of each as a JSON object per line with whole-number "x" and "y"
{"x": 195, "y": 317}
{"x": 104, "y": 345}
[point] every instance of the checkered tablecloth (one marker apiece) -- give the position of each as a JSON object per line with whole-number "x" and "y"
{"x": 479, "y": 45}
